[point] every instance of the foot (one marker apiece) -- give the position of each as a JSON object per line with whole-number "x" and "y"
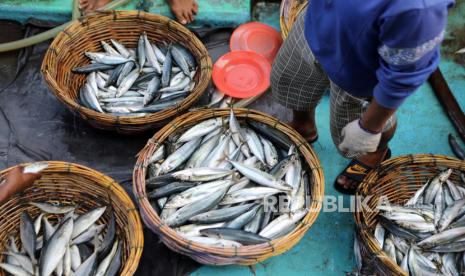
{"x": 184, "y": 10}
{"x": 372, "y": 160}
{"x": 87, "y": 6}
{"x": 308, "y": 131}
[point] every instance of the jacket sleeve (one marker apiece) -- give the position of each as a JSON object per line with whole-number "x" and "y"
{"x": 408, "y": 52}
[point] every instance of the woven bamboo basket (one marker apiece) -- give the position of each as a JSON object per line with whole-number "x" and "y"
{"x": 67, "y": 52}
{"x": 245, "y": 255}
{"x": 397, "y": 179}
{"x": 75, "y": 184}
{"x": 289, "y": 11}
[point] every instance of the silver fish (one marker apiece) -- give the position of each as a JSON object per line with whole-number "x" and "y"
{"x": 36, "y": 167}
{"x": 127, "y": 82}
{"x": 28, "y": 235}
{"x": 106, "y": 59}
{"x": 243, "y": 219}
{"x": 200, "y": 129}
{"x": 150, "y": 53}
{"x": 282, "y": 224}
{"x": 179, "y": 156}
{"x": 214, "y": 242}
{"x": 55, "y": 248}
{"x": 201, "y": 174}
{"x": 141, "y": 51}
{"x": 87, "y": 266}
{"x": 120, "y": 48}
{"x": 261, "y": 177}
{"x": 249, "y": 194}
{"x": 84, "y": 221}
{"x": 14, "y": 270}
{"x": 195, "y": 208}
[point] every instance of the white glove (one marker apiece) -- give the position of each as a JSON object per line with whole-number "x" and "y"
{"x": 358, "y": 141}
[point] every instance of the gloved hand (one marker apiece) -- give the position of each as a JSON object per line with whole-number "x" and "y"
{"x": 357, "y": 140}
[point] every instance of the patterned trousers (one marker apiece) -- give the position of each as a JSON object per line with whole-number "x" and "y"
{"x": 298, "y": 82}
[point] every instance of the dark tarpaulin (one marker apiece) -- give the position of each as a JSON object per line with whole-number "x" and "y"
{"x": 34, "y": 126}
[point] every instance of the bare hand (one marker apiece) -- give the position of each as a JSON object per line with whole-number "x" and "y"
{"x": 16, "y": 181}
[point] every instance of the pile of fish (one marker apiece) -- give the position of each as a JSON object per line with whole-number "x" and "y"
{"x": 219, "y": 100}
{"x": 74, "y": 245}
{"x": 426, "y": 236}
{"x": 134, "y": 82}
{"x": 213, "y": 183}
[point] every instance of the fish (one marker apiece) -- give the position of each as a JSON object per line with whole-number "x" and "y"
{"x": 14, "y": 270}
{"x": 84, "y": 221}
{"x": 87, "y": 266}
{"x": 150, "y": 54}
{"x": 200, "y": 129}
{"x": 241, "y": 236}
{"x": 28, "y": 235}
{"x": 254, "y": 225}
{"x": 105, "y": 263}
{"x": 261, "y": 177}
{"x": 249, "y": 194}
{"x": 51, "y": 208}
{"x": 282, "y": 224}
{"x": 180, "y": 60}
{"x": 93, "y": 67}
{"x": 106, "y": 59}
{"x": 141, "y": 51}
{"x": 172, "y": 188}
{"x": 271, "y": 154}
{"x": 55, "y": 248}
{"x": 214, "y": 242}
{"x": 120, "y": 48}
{"x": 240, "y": 221}
{"x": 195, "y": 208}
{"x": 179, "y": 156}
{"x": 166, "y": 75}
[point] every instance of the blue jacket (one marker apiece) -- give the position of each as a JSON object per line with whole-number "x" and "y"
{"x": 380, "y": 48}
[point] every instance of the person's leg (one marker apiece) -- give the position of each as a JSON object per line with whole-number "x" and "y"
{"x": 297, "y": 80}
{"x": 345, "y": 109}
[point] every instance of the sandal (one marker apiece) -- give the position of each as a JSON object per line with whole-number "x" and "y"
{"x": 357, "y": 171}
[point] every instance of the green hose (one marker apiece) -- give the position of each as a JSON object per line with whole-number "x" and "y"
{"x": 76, "y": 13}
{"x": 14, "y": 45}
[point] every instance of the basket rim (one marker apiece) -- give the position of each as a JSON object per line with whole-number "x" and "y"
{"x": 204, "y": 68}
{"x": 137, "y": 240}
{"x": 366, "y": 234}
{"x": 246, "y": 250}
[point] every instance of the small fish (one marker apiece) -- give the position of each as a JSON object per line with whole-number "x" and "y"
{"x": 84, "y": 221}
{"x": 237, "y": 235}
{"x": 106, "y": 59}
{"x": 180, "y": 60}
{"x": 28, "y": 235}
{"x": 50, "y": 208}
{"x": 55, "y": 248}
